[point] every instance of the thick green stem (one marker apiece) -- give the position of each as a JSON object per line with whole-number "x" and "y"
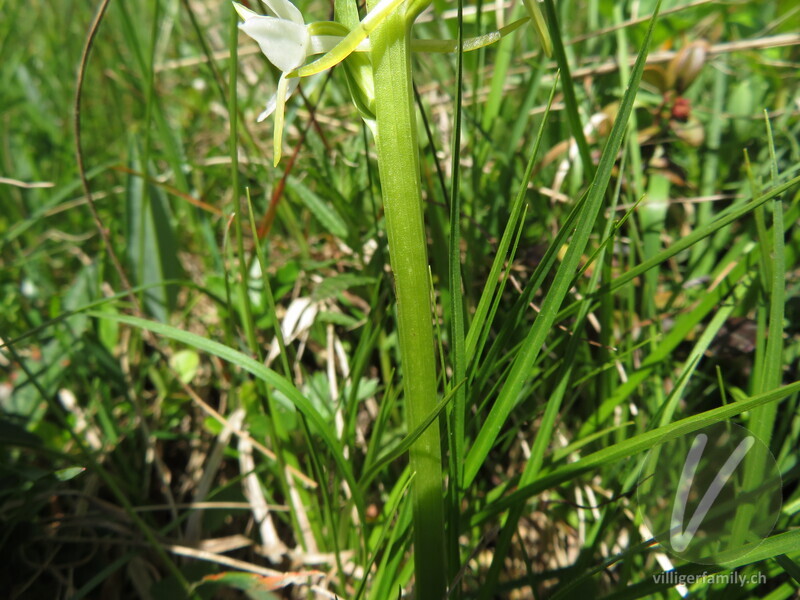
{"x": 398, "y": 162}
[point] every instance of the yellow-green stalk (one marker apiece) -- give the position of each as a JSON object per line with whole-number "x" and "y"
{"x": 398, "y": 162}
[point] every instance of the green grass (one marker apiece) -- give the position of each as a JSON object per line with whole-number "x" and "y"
{"x": 602, "y": 280}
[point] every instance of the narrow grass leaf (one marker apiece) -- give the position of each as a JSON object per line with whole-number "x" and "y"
{"x": 537, "y": 334}
{"x": 323, "y": 212}
{"x": 568, "y": 85}
{"x": 479, "y": 321}
{"x": 725, "y": 218}
{"x": 392, "y": 508}
{"x": 246, "y": 363}
{"x": 408, "y": 440}
{"x": 634, "y": 445}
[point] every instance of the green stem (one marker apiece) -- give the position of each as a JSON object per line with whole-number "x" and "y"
{"x": 398, "y": 163}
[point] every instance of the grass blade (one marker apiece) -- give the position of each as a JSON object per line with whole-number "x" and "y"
{"x": 536, "y": 336}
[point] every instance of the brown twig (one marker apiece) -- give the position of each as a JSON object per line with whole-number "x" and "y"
{"x": 265, "y": 225}
{"x": 171, "y": 189}
{"x": 79, "y": 154}
{"x": 126, "y": 285}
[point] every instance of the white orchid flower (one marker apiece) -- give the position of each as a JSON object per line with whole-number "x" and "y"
{"x": 287, "y": 41}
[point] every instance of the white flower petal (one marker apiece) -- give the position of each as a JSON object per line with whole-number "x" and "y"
{"x": 284, "y": 9}
{"x": 273, "y": 101}
{"x": 245, "y": 12}
{"x": 284, "y": 43}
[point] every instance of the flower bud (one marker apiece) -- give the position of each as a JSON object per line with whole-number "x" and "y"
{"x": 687, "y": 64}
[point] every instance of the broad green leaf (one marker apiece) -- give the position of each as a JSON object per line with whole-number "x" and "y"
{"x": 331, "y": 286}
{"x": 322, "y": 211}
{"x": 152, "y": 248}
